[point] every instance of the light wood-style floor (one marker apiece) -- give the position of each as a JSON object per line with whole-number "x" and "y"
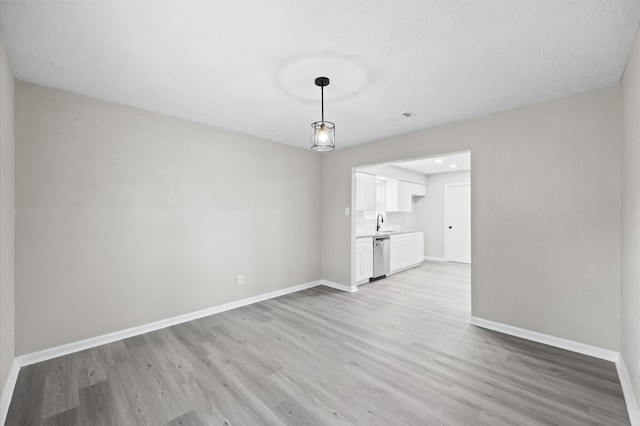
{"x": 400, "y": 351}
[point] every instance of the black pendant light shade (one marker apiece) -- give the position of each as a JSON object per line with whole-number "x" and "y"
{"x": 322, "y": 132}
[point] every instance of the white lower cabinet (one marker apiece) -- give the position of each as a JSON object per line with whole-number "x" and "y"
{"x": 364, "y": 259}
{"x": 406, "y": 250}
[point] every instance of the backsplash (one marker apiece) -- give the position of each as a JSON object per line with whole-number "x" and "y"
{"x": 366, "y": 222}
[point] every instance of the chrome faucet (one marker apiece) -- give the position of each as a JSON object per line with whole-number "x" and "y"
{"x": 379, "y": 222}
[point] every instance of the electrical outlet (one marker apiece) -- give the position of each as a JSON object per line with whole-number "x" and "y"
{"x": 346, "y": 211}
{"x": 240, "y": 279}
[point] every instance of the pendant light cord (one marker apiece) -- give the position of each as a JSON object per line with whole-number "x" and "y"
{"x": 322, "y": 101}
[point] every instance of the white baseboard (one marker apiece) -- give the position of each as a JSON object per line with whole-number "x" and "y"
{"x": 629, "y": 394}
{"x": 546, "y": 339}
{"x": 7, "y": 391}
{"x": 581, "y": 348}
{"x": 46, "y": 354}
{"x": 365, "y": 281}
{"x": 68, "y": 348}
{"x": 406, "y": 268}
{"x": 338, "y": 286}
{"x": 435, "y": 259}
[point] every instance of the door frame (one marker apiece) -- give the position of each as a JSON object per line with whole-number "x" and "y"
{"x": 446, "y": 214}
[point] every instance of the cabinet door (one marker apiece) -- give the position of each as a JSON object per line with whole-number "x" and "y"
{"x": 365, "y": 192}
{"x": 391, "y": 195}
{"x": 359, "y": 192}
{"x": 406, "y": 250}
{"x": 405, "y": 254}
{"x": 364, "y": 259}
{"x": 404, "y": 196}
{"x": 418, "y": 189}
{"x": 398, "y": 195}
{"x": 420, "y": 250}
{"x": 367, "y": 263}
{"x": 416, "y": 250}
{"x": 370, "y": 191}
{"x": 358, "y": 276}
{"x": 394, "y": 254}
{"x": 400, "y": 252}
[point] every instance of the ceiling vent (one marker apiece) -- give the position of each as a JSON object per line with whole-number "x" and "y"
{"x": 401, "y": 116}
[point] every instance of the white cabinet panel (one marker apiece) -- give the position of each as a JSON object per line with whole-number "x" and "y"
{"x": 391, "y": 195}
{"x": 394, "y": 252}
{"x": 404, "y": 196}
{"x": 365, "y": 192}
{"x": 394, "y": 255}
{"x": 419, "y": 252}
{"x": 418, "y": 189}
{"x": 399, "y": 194}
{"x": 406, "y": 250}
{"x": 364, "y": 258}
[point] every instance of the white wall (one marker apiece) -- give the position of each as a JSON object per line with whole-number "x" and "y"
{"x": 431, "y": 210}
{"x": 7, "y": 218}
{"x": 631, "y": 217}
{"x": 546, "y": 212}
{"x": 125, "y": 217}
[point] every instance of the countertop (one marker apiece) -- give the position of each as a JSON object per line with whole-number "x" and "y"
{"x": 385, "y": 233}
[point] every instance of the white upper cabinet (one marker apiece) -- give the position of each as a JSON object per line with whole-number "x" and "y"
{"x": 404, "y": 196}
{"x": 399, "y": 194}
{"x": 391, "y": 195}
{"x": 365, "y": 192}
{"x": 418, "y": 189}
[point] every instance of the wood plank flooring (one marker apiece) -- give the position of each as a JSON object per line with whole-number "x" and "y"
{"x": 400, "y": 351}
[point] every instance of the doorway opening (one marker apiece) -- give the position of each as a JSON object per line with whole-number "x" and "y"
{"x": 421, "y": 205}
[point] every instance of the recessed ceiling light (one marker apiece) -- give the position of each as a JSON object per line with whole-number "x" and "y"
{"x": 438, "y": 160}
{"x": 453, "y": 166}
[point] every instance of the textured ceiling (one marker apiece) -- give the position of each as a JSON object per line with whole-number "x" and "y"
{"x": 249, "y": 65}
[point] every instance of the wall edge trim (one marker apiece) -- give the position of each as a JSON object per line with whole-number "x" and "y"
{"x": 546, "y": 339}
{"x": 343, "y": 287}
{"x": 627, "y": 390}
{"x": 7, "y": 391}
{"x": 435, "y": 259}
{"x": 573, "y": 346}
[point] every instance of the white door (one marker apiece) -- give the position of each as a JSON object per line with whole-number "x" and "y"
{"x": 457, "y": 218}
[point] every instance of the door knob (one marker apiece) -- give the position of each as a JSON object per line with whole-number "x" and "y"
{"x": 451, "y": 227}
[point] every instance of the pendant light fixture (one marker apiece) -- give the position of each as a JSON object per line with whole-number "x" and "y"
{"x": 322, "y": 132}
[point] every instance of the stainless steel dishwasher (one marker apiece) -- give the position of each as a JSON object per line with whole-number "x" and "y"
{"x": 380, "y": 256}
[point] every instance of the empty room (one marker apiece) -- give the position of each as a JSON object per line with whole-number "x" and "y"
{"x": 319, "y": 213}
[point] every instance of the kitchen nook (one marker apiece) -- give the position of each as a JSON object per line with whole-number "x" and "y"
{"x": 388, "y": 238}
